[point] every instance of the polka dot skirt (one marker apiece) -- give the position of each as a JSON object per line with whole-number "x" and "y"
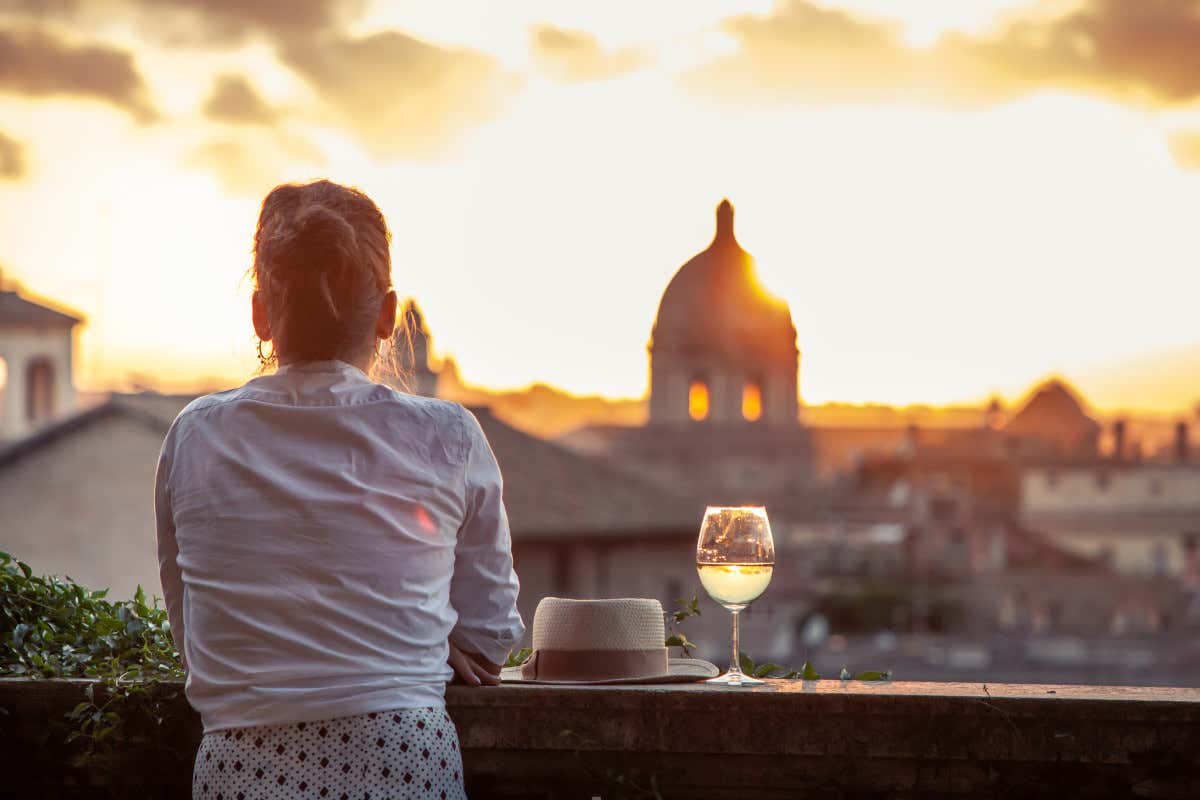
{"x": 388, "y": 755}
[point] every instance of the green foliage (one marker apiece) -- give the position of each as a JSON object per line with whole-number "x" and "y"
{"x": 676, "y": 637}
{"x": 806, "y": 673}
{"x": 687, "y": 608}
{"x": 691, "y": 608}
{"x": 518, "y": 657}
{"x": 52, "y": 627}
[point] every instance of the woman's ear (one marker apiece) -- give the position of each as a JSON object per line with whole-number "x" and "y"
{"x": 262, "y": 320}
{"x": 386, "y": 324}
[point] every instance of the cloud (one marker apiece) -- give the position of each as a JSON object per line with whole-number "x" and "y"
{"x": 1186, "y": 149}
{"x": 230, "y": 22}
{"x": 37, "y": 64}
{"x": 1146, "y": 49}
{"x": 205, "y": 23}
{"x": 808, "y": 53}
{"x": 235, "y": 101}
{"x": 252, "y": 165}
{"x": 570, "y": 56}
{"x": 12, "y": 159}
{"x": 398, "y": 94}
{"x": 1144, "y": 52}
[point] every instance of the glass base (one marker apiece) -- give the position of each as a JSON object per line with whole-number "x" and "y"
{"x": 735, "y": 679}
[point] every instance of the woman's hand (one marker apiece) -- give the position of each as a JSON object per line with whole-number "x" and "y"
{"x": 473, "y": 669}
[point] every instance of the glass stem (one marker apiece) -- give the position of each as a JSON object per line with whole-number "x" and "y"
{"x": 735, "y": 665}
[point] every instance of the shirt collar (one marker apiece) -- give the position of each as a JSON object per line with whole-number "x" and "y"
{"x": 332, "y": 366}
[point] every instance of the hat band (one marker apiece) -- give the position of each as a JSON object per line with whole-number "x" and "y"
{"x": 594, "y": 665}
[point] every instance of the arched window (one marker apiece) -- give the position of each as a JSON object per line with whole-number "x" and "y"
{"x": 698, "y": 400}
{"x": 752, "y": 402}
{"x": 39, "y": 390}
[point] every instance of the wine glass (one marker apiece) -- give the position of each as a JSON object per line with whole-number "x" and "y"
{"x": 735, "y": 557}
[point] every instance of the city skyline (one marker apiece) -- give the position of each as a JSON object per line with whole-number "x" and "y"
{"x": 950, "y": 211}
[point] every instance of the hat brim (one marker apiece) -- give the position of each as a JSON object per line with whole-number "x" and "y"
{"x": 679, "y": 670}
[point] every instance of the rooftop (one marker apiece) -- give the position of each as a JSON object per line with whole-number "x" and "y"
{"x": 17, "y": 311}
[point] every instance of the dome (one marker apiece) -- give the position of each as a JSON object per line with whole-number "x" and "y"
{"x": 1055, "y": 415}
{"x": 715, "y": 303}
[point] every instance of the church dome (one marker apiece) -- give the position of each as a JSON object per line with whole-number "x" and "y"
{"x": 1055, "y": 415}
{"x": 715, "y": 303}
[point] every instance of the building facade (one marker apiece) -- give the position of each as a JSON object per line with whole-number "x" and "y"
{"x": 36, "y": 364}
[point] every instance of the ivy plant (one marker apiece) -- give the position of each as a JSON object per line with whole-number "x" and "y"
{"x": 52, "y": 627}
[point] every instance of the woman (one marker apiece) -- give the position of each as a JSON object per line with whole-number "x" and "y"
{"x": 332, "y": 551}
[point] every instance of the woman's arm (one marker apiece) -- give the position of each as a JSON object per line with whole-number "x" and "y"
{"x": 168, "y": 550}
{"x": 484, "y": 588}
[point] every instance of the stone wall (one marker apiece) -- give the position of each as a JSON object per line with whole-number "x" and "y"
{"x": 820, "y": 739}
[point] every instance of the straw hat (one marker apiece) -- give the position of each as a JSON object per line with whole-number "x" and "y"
{"x": 603, "y": 641}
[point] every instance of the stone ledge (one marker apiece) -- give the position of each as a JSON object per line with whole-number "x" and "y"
{"x": 786, "y": 739}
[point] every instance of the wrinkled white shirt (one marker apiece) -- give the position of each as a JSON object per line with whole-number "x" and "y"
{"x": 320, "y": 537}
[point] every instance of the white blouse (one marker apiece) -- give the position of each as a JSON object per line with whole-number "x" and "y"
{"x": 320, "y": 538}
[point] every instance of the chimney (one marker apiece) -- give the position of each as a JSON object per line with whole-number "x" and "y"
{"x": 1181, "y": 442}
{"x": 1119, "y": 440}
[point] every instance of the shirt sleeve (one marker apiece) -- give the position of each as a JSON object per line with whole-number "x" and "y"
{"x": 168, "y": 549}
{"x": 484, "y": 588}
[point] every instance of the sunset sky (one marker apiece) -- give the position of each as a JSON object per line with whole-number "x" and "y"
{"x": 955, "y": 199}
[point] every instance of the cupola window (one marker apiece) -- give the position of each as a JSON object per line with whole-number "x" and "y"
{"x": 752, "y": 407}
{"x": 39, "y": 390}
{"x": 698, "y": 400}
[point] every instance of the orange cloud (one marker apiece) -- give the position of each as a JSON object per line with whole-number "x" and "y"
{"x": 229, "y": 23}
{"x": 252, "y": 164}
{"x": 1144, "y": 52}
{"x": 12, "y": 158}
{"x": 38, "y": 64}
{"x": 1186, "y": 149}
{"x": 570, "y": 56}
{"x": 235, "y": 101}
{"x": 401, "y": 96}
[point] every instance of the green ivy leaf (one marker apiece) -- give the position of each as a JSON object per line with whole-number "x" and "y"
{"x": 873, "y": 675}
{"x": 808, "y": 673}
{"x": 765, "y": 670}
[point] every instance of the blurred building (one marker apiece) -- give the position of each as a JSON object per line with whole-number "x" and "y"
{"x": 36, "y": 360}
{"x": 1053, "y": 423}
{"x": 1025, "y": 525}
{"x": 1140, "y": 517}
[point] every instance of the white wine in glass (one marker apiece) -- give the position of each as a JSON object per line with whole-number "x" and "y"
{"x": 735, "y": 557}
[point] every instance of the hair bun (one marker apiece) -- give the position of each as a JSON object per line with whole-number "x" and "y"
{"x": 323, "y": 235}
